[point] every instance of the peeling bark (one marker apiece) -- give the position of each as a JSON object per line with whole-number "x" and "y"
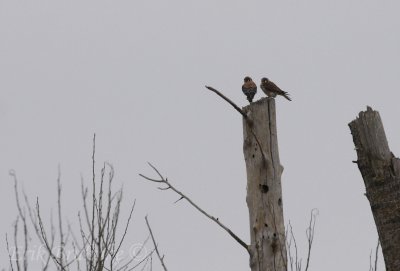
{"x": 264, "y": 190}
{"x": 381, "y": 173}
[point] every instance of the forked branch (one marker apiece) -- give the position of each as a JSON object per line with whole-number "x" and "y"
{"x": 183, "y": 196}
{"x": 228, "y": 100}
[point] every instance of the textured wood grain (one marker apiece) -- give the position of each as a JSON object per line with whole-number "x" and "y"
{"x": 381, "y": 173}
{"x": 264, "y": 190}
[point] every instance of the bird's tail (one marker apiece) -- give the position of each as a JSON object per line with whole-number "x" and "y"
{"x": 286, "y": 95}
{"x": 250, "y": 96}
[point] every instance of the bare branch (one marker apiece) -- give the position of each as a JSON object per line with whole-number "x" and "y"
{"x": 155, "y": 245}
{"x": 242, "y": 113}
{"x": 60, "y": 224}
{"x": 375, "y": 267}
{"x": 289, "y": 244}
{"x": 216, "y": 220}
{"x": 147, "y": 261}
{"x": 9, "y": 255}
{"x": 16, "y": 244}
{"x": 34, "y": 222}
{"x": 134, "y": 257}
{"x": 57, "y": 261}
{"x": 376, "y": 255}
{"x": 125, "y": 231}
{"x": 22, "y": 215}
{"x": 92, "y": 238}
{"x": 149, "y": 255}
{"x": 228, "y": 100}
{"x": 44, "y": 237}
{"x": 296, "y": 259}
{"x": 310, "y": 234}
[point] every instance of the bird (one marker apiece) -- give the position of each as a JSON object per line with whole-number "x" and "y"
{"x": 271, "y": 90}
{"x": 249, "y": 88}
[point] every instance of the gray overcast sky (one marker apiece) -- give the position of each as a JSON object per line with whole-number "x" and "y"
{"x": 133, "y": 72}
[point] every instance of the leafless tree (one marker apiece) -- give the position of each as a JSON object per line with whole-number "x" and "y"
{"x": 101, "y": 231}
{"x": 295, "y": 262}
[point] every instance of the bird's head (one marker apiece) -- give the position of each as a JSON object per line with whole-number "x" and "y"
{"x": 247, "y": 79}
{"x": 264, "y": 80}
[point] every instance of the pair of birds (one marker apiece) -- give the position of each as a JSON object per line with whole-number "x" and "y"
{"x": 249, "y": 89}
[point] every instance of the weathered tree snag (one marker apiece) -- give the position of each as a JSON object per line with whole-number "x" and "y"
{"x": 264, "y": 190}
{"x": 381, "y": 173}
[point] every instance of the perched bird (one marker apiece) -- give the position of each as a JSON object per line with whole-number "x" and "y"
{"x": 271, "y": 90}
{"x": 249, "y": 88}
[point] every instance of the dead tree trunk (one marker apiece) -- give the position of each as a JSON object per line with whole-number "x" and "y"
{"x": 381, "y": 173}
{"x": 264, "y": 190}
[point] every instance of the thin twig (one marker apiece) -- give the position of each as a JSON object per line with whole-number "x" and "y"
{"x": 310, "y": 234}
{"x": 33, "y": 218}
{"x": 134, "y": 257}
{"x": 375, "y": 268}
{"x": 22, "y": 214}
{"x": 125, "y": 231}
{"x": 60, "y": 227}
{"x": 145, "y": 264}
{"x": 155, "y": 245}
{"x": 228, "y": 100}
{"x": 16, "y": 244}
{"x": 216, "y": 220}
{"x": 75, "y": 244}
{"x": 140, "y": 262}
{"x": 44, "y": 237}
{"x": 9, "y": 255}
{"x": 289, "y": 247}
{"x": 376, "y": 255}
{"x": 296, "y": 262}
{"x": 92, "y": 238}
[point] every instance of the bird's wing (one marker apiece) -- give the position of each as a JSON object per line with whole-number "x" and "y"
{"x": 274, "y": 88}
{"x": 277, "y": 90}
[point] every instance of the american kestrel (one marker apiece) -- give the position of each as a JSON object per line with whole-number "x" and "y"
{"x": 271, "y": 90}
{"x": 249, "y": 88}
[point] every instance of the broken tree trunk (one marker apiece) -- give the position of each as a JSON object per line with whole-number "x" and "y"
{"x": 381, "y": 173}
{"x": 264, "y": 191}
